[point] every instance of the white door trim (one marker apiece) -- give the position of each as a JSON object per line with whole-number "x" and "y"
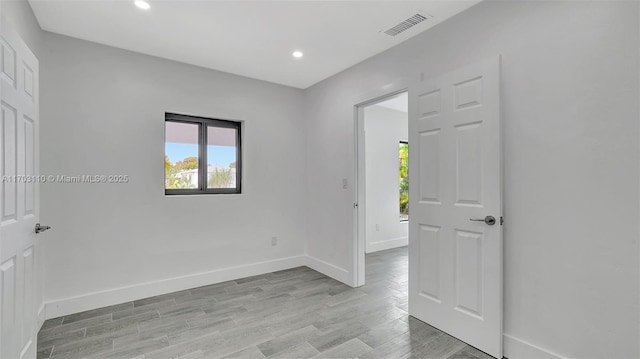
{"x": 359, "y": 183}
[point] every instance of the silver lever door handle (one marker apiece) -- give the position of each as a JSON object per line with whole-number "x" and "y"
{"x": 40, "y": 229}
{"x": 490, "y": 220}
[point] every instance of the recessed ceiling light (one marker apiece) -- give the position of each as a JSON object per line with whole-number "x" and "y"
{"x": 297, "y": 54}
{"x": 142, "y": 4}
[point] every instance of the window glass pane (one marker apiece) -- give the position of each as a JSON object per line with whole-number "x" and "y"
{"x": 221, "y": 157}
{"x": 404, "y": 181}
{"x": 181, "y": 155}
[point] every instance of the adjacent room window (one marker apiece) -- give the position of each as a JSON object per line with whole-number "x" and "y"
{"x": 201, "y": 155}
{"x": 404, "y": 180}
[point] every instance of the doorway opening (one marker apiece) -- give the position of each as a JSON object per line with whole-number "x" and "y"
{"x": 382, "y": 135}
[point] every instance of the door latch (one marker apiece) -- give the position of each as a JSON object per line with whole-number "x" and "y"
{"x": 41, "y": 228}
{"x": 490, "y": 220}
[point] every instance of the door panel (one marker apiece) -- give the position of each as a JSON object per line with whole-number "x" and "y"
{"x": 430, "y": 169}
{"x": 19, "y": 205}
{"x": 468, "y": 269}
{"x": 9, "y": 168}
{"x": 429, "y": 263}
{"x": 469, "y": 164}
{"x": 29, "y": 153}
{"x": 455, "y": 264}
{"x": 8, "y": 63}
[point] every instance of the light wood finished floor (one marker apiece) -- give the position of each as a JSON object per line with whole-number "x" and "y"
{"x": 296, "y": 313}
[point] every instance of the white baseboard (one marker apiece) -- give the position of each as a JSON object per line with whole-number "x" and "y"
{"x": 330, "y": 270}
{"x": 514, "y": 348}
{"x": 40, "y": 319}
{"x": 388, "y": 244}
{"x": 66, "y": 306}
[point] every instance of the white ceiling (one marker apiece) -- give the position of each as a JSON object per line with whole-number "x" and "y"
{"x": 398, "y": 103}
{"x": 248, "y": 38}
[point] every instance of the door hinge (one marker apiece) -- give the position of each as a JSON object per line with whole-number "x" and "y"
{"x": 501, "y": 220}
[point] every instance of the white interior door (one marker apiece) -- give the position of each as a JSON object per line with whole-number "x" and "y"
{"x": 455, "y": 264}
{"x": 19, "y": 279}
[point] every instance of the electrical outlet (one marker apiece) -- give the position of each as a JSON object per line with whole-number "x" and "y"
{"x": 345, "y": 183}
{"x": 274, "y": 241}
{"x": 377, "y": 227}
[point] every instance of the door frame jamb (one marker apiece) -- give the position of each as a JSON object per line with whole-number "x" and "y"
{"x": 359, "y": 175}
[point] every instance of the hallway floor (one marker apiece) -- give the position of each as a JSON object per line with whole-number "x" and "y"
{"x": 295, "y": 313}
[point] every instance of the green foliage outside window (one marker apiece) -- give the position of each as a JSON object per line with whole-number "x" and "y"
{"x": 174, "y": 177}
{"x": 404, "y": 180}
{"x": 220, "y": 178}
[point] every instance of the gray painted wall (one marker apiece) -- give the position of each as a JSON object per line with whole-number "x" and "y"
{"x": 383, "y": 130}
{"x": 103, "y": 113}
{"x": 570, "y": 106}
{"x": 20, "y": 15}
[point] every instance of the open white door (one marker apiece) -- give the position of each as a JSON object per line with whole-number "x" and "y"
{"x": 455, "y": 263}
{"x": 19, "y": 205}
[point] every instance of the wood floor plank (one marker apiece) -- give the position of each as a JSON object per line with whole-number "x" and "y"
{"x": 384, "y": 332}
{"x": 392, "y": 349}
{"x": 201, "y": 328}
{"x": 152, "y": 307}
{"x": 462, "y": 354}
{"x": 127, "y": 323}
{"x": 96, "y": 312}
{"x": 166, "y": 322}
{"x": 195, "y": 347}
{"x": 44, "y": 352}
{"x": 213, "y": 288}
{"x": 198, "y": 354}
{"x": 248, "y": 353}
{"x": 81, "y": 324}
{"x": 237, "y": 339}
{"x": 302, "y": 350}
{"x": 337, "y": 335}
{"x": 294, "y": 321}
{"x": 50, "y": 323}
{"x": 161, "y": 298}
{"x": 350, "y": 349}
{"x": 62, "y": 338}
{"x": 135, "y": 349}
{"x": 192, "y": 307}
{"x": 82, "y": 348}
{"x": 476, "y": 353}
{"x": 384, "y": 316}
{"x": 441, "y": 347}
{"x": 289, "y": 340}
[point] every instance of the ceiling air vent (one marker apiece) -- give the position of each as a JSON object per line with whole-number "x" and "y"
{"x": 406, "y": 25}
